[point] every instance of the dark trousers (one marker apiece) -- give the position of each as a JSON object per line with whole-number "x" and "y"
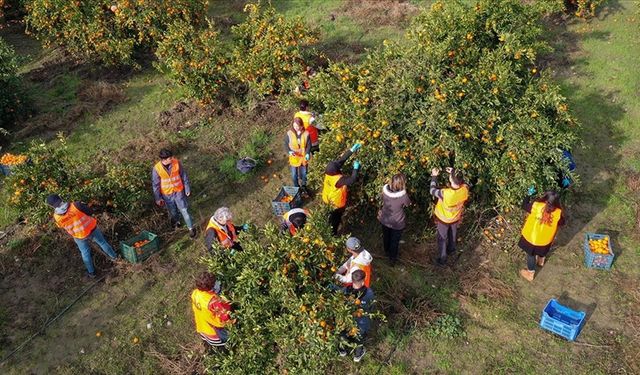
{"x": 531, "y": 262}
{"x": 446, "y": 235}
{"x": 391, "y": 241}
{"x": 334, "y": 219}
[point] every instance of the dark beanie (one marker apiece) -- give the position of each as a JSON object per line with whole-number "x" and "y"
{"x": 54, "y": 200}
{"x": 333, "y": 168}
{"x": 164, "y": 153}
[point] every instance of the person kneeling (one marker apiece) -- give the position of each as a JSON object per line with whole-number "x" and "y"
{"x": 221, "y": 227}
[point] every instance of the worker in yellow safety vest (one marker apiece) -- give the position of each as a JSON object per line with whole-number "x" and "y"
{"x": 539, "y": 230}
{"x": 221, "y": 228}
{"x": 211, "y": 311}
{"x": 171, "y": 187}
{"x": 335, "y": 184}
{"x": 448, "y": 211}
{"x": 309, "y": 123}
{"x": 294, "y": 219}
{"x": 75, "y": 218}
{"x": 298, "y": 147}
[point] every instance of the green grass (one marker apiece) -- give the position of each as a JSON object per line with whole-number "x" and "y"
{"x": 500, "y": 335}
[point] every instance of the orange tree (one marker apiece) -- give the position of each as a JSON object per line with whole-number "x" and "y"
{"x": 11, "y": 92}
{"x": 269, "y": 50}
{"x": 461, "y": 90}
{"x": 117, "y": 188}
{"x": 194, "y": 58}
{"x": 110, "y": 32}
{"x": 288, "y": 318}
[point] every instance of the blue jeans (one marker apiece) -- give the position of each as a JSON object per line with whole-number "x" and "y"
{"x": 301, "y": 172}
{"x": 178, "y": 202}
{"x": 85, "y": 248}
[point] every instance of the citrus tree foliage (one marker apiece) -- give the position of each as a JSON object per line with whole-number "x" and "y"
{"x": 195, "y": 58}
{"x": 288, "y": 318}
{"x": 117, "y": 188}
{"x": 11, "y": 92}
{"x": 461, "y": 90}
{"x": 108, "y": 31}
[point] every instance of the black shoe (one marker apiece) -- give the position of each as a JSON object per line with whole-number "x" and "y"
{"x": 91, "y": 275}
{"x": 342, "y": 352}
{"x": 360, "y": 351}
{"x": 393, "y": 262}
{"x": 175, "y": 224}
{"x": 192, "y": 232}
{"x": 441, "y": 262}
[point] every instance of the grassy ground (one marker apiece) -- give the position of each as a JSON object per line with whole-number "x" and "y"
{"x": 499, "y": 312}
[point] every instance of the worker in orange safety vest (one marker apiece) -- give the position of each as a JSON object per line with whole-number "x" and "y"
{"x": 298, "y": 147}
{"x": 221, "y": 228}
{"x": 334, "y": 187}
{"x": 75, "y": 218}
{"x": 294, "y": 219}
{"x": 171, "y": 187}
{"x": 539, "y": 230}
{"x": 309, "y": 123}
{"x": 360, "y": 259}
{"x": 448, "y": 211}
{"x": 210, "y": 310}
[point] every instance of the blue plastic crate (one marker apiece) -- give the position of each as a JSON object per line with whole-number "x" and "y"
{"x": 280, "y": 208}
{"x": 5, "y": 170}
{"x": 593, "y": 260}
{"x": 562, "y": 320}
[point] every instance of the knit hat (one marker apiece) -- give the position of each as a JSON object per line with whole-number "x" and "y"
{"x": 164, "y": 153}
{"x": 353, "y": 244}
{"x": 54, "y": 200}
{"x": 333, "y": 168}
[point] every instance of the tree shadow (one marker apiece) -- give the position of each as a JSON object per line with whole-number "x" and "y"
{"x": 565, "y": 300}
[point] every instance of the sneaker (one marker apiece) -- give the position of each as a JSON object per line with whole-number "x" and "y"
{"x": 342, "y": 352}
{"x": 441, "y": 262}
{"x": 192, "y": 232}
{"x": 91, "y": 275}
{"x": 360, "y": 351}
{"x": 527, "y": 275}
{"x": 176, "y": 224}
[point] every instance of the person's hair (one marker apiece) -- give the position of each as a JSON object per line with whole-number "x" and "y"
{"x": 304, "y": 104}
{"x": 222, "y": 214}
{"x": 358, "y": 276}
{"x": 299, "y": 221}
{"x": 551, "y": 199}
{"x": 164, "y": 153}
{"x": 398, "y": 182}
{"x": 299, "y": 122}
{"x": 456, "y": 177}
{"x": 205, "y": 281}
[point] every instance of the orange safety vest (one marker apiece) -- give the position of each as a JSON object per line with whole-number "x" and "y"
{"x": 449, "y": 208}
{"x": 78, "y": 224}
{"x": 333, "y": 195}
{"x": 367, "y": 273}
{"x": 305, "y": 116}
{"x": 292, "y": 229}
{"x": 205, "y": 319}
{"x": 535, "y": 231}
{"x": 226, "y": 240}
{"x": 169, "y": 184}
{"x": 297, "y": 159}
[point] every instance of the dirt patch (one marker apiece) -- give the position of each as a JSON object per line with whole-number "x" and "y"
{"x": 181, "y": 363}
{"x": 375, "y": 13}
{"x": 633, "y": 183}
{"x": 184, "y": 115}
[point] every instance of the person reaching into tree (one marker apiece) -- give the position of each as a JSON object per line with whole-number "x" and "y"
{"x": 221, "y": 228}
{"x": 334, "y": 188}
{"x": 210, "y": 310}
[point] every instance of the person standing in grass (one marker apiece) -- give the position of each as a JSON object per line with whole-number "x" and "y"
{"x": 334, "y": 188}
{"x": 210, "y": 310}
{"x": 221, "y": 227}
{"x": 392, "y": 216}
{"x": 171, "y": 187}
{"x": 76, "y": 219}
{"x": 298, "y": 146}
{"x": 448, "y": 211}
{"x": 539, "y": 230}
{"x": 308, "y": 120}
{"x": 363, "y": 297}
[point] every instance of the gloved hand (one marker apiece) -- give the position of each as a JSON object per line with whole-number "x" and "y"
{"x": 356, "y": 165}
{"x": 232, "y": 252}
{"x": 566, "y": 181}
{"x": 307, "y": 157}
{"x": 356, "y": 146}
{"x": 245, "y": 226}
{"x": 291, "y": 153}
{"x": 531, "y": 190}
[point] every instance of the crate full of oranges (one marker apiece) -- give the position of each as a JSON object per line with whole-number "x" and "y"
{"x": 597, "y": 251}
{"x": 8, "y": 161}
{"x": 140, "y": 247}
